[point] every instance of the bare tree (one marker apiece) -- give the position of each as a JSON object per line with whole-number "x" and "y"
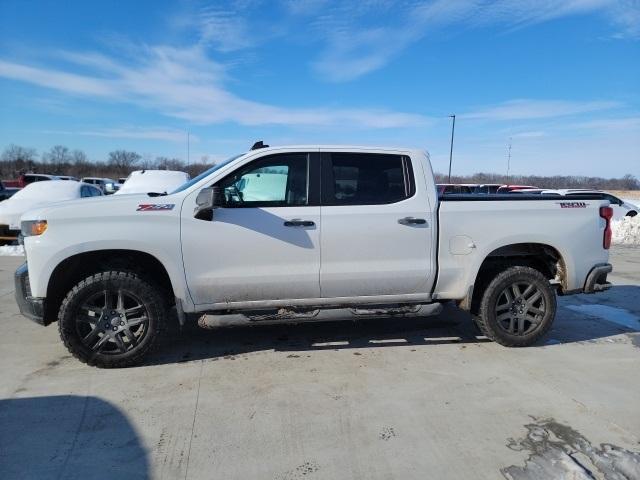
{"x": 81, "y": 166}
{"x": 166, "y": 163}
{"x": 59, "y": 158}
{"x": 122, "y": 161}
{"x": 17, "y": 160}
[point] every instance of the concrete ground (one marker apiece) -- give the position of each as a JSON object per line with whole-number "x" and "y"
{"x": 420, "y": 398}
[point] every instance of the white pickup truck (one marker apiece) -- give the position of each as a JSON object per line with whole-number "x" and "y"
{"x": 300, "y": 233}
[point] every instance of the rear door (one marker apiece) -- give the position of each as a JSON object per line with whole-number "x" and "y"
{"x": 376, "y": 236}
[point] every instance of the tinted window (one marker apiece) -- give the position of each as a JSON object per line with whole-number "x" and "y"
{"x": 367, "y": 179}
{"x": 613, "y": 200}
{"x": 277, "y": 180}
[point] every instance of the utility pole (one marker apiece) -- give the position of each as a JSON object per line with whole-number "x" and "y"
{"x": 188, "y": 148}
{"x": 509, "y": 160}
{"x": 453, "y": 129}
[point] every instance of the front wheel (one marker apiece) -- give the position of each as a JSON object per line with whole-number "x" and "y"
{"x": 517, "y": 307}
{"x": 111, "y": 319}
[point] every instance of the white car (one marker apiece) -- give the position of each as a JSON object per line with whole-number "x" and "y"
{"x": 306, "y": 233}
{"x": 621, "y": 208}
{"x": 40, "y": 194}
{"x": 158, "y": 181}
{"x": 107, "y": 185}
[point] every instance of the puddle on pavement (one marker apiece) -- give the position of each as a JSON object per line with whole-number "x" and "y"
{"x": 559, "y": 452}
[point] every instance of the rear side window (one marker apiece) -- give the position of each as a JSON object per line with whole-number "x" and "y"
{"x": 366, "y": 179}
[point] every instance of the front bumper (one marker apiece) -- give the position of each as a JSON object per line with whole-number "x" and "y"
{"x": 32, "y": 308}
{"x": 597, "y": 278}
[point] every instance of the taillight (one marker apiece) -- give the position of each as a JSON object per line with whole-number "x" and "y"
{"x": 607, "y": 214}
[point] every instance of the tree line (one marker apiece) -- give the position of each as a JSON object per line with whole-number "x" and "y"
{"x": 627, "y": 182}
{"x": 60, "y": 160}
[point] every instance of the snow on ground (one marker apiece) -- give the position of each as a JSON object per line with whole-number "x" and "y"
{"x": 626, "y": 231}
{"x": 612, "y": 314}
{"x": 11, "y": 250}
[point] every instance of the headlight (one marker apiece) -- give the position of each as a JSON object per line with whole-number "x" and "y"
{"x": 30, "y": 228}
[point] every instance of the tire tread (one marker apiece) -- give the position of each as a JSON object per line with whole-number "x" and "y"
{"x": 147, "y": 288}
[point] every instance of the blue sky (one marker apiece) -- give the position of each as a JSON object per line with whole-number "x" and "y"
{"x": 559, "y": 79}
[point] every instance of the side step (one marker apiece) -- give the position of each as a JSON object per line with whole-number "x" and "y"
{"x": 284, "y": 315}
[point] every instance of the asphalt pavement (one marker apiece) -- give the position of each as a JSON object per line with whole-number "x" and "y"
{"x": 378, "y": 399}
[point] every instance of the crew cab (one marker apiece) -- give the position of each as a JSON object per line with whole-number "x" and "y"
{"x": 305, "y": 233}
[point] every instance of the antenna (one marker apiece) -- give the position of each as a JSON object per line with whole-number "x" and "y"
{"x": 188, "y": 141}
{"x": 509, "y": 159}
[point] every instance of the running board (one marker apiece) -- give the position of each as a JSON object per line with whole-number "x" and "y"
{"x": 215, "y": 320}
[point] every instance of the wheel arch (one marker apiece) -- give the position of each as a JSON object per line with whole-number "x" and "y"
{"x": 542, "y": 257}
{"x": 76, "y": 267}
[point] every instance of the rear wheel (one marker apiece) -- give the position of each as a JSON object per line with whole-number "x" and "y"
{"x": 111, "y": 319}
{"x": 517, "y": 308}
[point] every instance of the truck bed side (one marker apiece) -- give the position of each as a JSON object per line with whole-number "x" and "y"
{"x": 473, "y": 228}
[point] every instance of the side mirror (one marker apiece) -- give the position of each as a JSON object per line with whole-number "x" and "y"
{"x": 208, "y": 198}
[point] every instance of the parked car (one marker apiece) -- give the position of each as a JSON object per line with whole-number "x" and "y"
{"x": 527, "y": 191}
{"x": 486, "y": 188}
{"x": 107, "y": 185}
{"x": 621, "y": 208}
{"x": 509, "y": 188}
{"x": 66, "y": 177}
{"x": 6, "y": 192}
{"x": 450, "y": 188}
{"x": 160, "y": 181}
{"x": 36, "y": 195}
{"x": 29, "y": 178}
{"x": 109, "y": 270}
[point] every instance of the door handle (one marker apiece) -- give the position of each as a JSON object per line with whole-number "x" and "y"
{"x": 299, "y": 223}
{"x": 412, "y": 221}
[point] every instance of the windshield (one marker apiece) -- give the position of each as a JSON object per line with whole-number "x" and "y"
{"x": 206, "y": 173}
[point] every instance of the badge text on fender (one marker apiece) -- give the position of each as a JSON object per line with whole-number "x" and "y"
{"x": 154, "y": 207}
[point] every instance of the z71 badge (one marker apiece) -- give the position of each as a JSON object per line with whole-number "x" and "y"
{"x": 154, "y": 207}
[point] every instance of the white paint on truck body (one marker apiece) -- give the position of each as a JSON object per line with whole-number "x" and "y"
{"x": 350, "y": 255}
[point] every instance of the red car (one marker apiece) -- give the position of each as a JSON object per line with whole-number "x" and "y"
{"x": 451, "y": 188}
{"x": 510, "y": 188}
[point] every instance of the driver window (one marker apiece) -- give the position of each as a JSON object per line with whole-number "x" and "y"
{"x": 274, "y": 181}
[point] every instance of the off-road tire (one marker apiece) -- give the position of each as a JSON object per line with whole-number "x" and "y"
{"x": 150, "y": 296}
{"x": 487, "y": 315}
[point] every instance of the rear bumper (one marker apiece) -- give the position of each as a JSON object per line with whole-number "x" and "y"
{"x": 32, "y": 308}
{"x": 597, "y": 278}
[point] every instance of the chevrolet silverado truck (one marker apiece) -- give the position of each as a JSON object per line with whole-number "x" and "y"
{"x": 305, "y": 233}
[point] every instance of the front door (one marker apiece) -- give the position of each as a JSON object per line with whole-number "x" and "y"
{"x": 376, "y": 226}
{"x": 264, "y": 243}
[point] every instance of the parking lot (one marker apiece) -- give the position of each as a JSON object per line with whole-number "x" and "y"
{"x": 390, "y": 398}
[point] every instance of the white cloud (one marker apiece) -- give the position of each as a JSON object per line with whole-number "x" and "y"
{"x": 361, "y": 40}
{"x": 618, "y": 124}
{"x": 135, "y": 133}
{"x": 530, "y": 134}
{"x": 185, "y": 83}
{"x": 524, "y": 109}
{"x": 223, "y": 29}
